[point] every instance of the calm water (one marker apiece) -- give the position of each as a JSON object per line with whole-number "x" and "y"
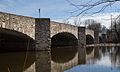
{"x": 16, "y": 61}
{"x": 108, "y": 61}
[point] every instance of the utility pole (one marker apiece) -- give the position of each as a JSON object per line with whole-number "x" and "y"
{"x": 39, "y": 12}
{"x": 111, "y": 22}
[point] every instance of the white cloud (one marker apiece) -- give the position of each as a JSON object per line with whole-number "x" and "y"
{"x": 104, "y": 19}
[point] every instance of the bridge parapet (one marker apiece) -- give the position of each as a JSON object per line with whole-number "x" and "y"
{"x": 23, "y": 24}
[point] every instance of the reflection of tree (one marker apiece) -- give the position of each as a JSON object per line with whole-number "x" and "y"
{"x": 93, "y": 25}
{"x": 118, "y": 56}
{"x": 116, "y": 26}
{"x": 115, "y": 56}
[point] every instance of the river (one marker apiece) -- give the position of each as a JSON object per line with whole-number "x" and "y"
{"x": 108, "y": 61}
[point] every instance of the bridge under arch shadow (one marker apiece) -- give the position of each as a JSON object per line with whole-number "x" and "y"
{"x": 63, "y": 47}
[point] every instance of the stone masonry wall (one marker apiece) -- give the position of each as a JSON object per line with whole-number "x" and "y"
{"x": 43, "y": 45}
{"x": 56, "y": 28}
{"x": 81, "y": 45}
{"x": 23, "y": 24}
{"x": 89, "y": 32}
{"x": 96, "y": 41}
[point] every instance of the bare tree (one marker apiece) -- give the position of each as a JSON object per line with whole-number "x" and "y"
{"x": 90, "y": 4}
{"x": 116, "y": 27}
{"x": 113, "y": 33}
{"x": 77, "y": 21}
{"x": 93, "y": 25}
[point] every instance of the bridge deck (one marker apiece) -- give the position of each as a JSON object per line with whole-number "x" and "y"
{"x": 103, "y": 45}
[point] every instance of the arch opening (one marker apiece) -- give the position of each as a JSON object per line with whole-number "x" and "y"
{"x": 63, "y": 47}
{"x": 89, "y": 40}
{"x": 15, "y": 48}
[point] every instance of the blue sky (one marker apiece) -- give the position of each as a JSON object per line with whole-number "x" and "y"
{"x": 54, "y": 9}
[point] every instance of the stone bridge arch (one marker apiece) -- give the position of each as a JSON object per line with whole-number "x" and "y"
{"x": 12, "y": 37}
{"x": 17, "y": 36}
{"x": 89, "y": 40}
{"x": 89, "y": 32}
{"x": 25, "y": 25}
{"x": 56, "y": 28}
{"x": 64, "y": 46}
{"x": 16, "y": 46}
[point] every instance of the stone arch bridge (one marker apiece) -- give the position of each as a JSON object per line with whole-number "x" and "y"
{"x": 40, "y": 45}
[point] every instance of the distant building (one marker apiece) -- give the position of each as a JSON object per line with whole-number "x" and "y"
{"x": 103, "y": 35}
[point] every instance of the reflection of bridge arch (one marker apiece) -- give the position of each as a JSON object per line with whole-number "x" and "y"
{"x": 89, "y": 40}
{"x": 15, "y": 46}
{"x": 64, "y": 47}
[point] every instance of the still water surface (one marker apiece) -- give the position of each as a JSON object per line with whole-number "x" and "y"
{"x": 108, "y": 61}
{"x": 16, "y": 61}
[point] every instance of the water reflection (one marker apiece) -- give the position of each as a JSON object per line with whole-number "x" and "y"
{"x": 108, "y": 61}
{"x": 115, "y": 56}
{"x": 15, "y": 61}
{"x": 17, "y": 51}
{"x": 105, "y": 60}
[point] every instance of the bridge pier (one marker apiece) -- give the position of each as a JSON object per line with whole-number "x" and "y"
{"x": 81, "y": 45}
{"x": 0, "y": 40}
{"x": 43, "y": 43}
{"x": 96, "y": 41}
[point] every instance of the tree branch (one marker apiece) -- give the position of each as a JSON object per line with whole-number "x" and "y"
{"x": 87, "y": 6}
